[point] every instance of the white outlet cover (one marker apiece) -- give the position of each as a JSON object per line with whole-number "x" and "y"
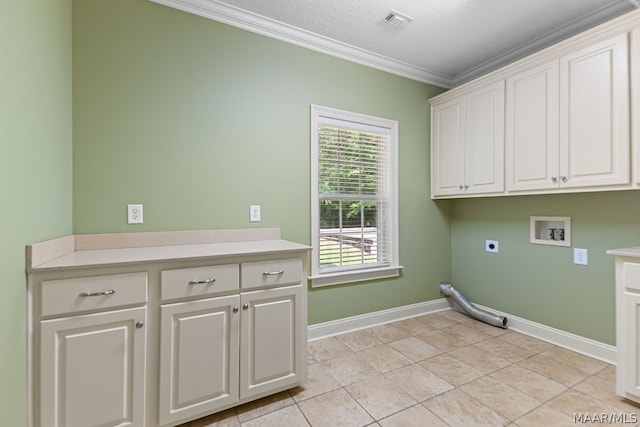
{"x": 134, "y": 214}
{"x": 254, "y": 213}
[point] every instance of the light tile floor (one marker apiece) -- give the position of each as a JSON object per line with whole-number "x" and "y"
{"x": 441, "y": 369}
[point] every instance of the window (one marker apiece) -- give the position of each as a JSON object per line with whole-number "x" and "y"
{"x": 354, "y": 197}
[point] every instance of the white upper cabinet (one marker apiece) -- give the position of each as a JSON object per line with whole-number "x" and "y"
{"x": 562, "y": 122}
{"x": 594, "y": 115}
{"x": 468, "y": 143}
{"x": 635, "y": 99}
{"x": 532, "y": 128}
{"x": 447, "y": 147}
{"x": 568, "y": 120}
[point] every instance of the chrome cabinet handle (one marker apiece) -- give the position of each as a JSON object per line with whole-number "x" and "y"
{"x": 245, "y": 307}
{"x": 273, "y": 273}
{"x": 139, "y": 324}
{"x": 202, "y": 282}
{"x": 97, "y": 294}
{"x": 554, "y": 179}
{"x": 563, "y": 178}
{"x": 235, "y": 309}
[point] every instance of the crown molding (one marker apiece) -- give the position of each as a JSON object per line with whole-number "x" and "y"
{"x": 240, "y": 18}
{"x": 564, "y": 32}
{"x": 249, "y": 21}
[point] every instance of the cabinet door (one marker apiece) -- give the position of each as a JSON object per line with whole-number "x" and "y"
{"x": 92, "y": 369}
{"x": 629, "y": 371}
{"x": 271, "y": 347}
{"x": 447, "y": 147}
{"x": 484, "y": 140}
{"x": 635, "y": 100}
{"x": 198, "y": 357}
{"x": 594, "y": 111}
{"x": 532, "y": 128}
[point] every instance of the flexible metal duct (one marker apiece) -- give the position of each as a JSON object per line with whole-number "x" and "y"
{"x": 473, "y": 311}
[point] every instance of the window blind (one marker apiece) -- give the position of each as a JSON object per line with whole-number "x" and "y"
{"x": 353, "y": 195}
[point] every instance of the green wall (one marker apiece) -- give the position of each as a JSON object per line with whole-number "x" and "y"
{"x": 35, "y": 168}
{"x": 537, "y": 282}
{"x": 197, "y": 120}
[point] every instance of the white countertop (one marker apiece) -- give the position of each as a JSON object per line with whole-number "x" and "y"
{"x": 64, "y": 255}
{"x": 630, "y": 252}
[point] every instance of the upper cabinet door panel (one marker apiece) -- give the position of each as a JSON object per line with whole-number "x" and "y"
{"x": 635, "y": 99}
{"x": 447, "y": 147}
{"x": 484, "y": 139}
{"x": 532, "y": 129}
{"x": 594, "y": 111}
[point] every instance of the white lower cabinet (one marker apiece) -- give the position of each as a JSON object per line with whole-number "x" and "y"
{"x": 199, "y": 357}
{"x": 165, "y": 340}
{"x": 92, "y": 369}
{"x": 629, "y": 370}
{"x": 270, "y": 353}
{"x": 628, "y": 323}
{"x": 216, "y": 352}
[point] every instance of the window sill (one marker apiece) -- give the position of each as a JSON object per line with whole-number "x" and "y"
{"x": 343, "y": 277}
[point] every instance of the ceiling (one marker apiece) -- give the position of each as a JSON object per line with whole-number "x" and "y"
{"x": 445, "y": 42}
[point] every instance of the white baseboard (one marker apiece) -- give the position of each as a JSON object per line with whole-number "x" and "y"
{"x": 577, "y": 343}
{"x": 573, "y": 342}
{"x": 367, "y": 320}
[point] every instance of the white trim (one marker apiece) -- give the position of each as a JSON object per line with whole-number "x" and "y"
{"x": 240, "y": 18}
{"x": 367, "y": 320}
{"x": 319, "y": 115}
{"x": 328, "y": 279}
{"x": 577, "y": 343}
{"x": 573, "y": 342}
{"x": 568, "y": 30}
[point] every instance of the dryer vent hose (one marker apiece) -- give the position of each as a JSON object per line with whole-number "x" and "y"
{"x": 473, "y": 311}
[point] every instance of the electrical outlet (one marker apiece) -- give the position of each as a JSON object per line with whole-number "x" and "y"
{"x": 492, "y": 246}
{"x": 134, "y": 214}
{"x": 580, "y": 256}
{"x": 254, "y": 213}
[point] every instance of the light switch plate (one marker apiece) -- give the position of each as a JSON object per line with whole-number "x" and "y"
{"x": 580, "y": 256}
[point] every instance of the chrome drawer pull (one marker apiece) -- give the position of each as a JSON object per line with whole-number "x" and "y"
{"x": 97, "y": 294}
{"x": 273, "y": 273}
{"x": 202, "y": 282}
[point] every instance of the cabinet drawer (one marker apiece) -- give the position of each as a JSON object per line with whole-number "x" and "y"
{"x": 199, "y": 281}
{"x": 631, "y": 275}
{"x": 271, "y": 273}
{"x": 93, "y": 293}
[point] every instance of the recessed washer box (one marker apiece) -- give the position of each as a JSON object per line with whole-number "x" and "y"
{"x": 550, "y": 230}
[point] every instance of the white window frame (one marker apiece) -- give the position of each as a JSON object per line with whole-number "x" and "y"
{"x": 320, "y": 115}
